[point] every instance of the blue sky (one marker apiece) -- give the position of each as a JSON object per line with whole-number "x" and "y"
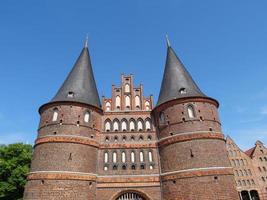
{"x": 222, "y": 43}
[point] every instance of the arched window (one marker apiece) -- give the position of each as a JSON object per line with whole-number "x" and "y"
{"x": 127, "y": 102}
{"x": 150, "y": 158}
{"x": 116, "y": 126}
{"x": 137, "y": 101}
{"x": 132, "y": 126}
{"x": 147, "y": 105}
{"x": 114, "y": 157}
{"x": 55, "y": 114}
{"x": 108, "y": 106}
{"x": 140, "y": 125}
{"x": 124, "y": 126}
{"x": 87, "y": 116}
{"x": 123, "y": 157}
{"x": 132, "y": 138}
{"x": 148, "y": 125}
{"x": 191, "y": 111}
{"x": 107, "y": 126}
{"x": 141, "y": 156}
{"x": 127, "y": 87}
{"x": 118, "y": 102}
{"x": 106, "y": 157}
{"x": 162, "y": 118}
{"x": 132, "y": 157}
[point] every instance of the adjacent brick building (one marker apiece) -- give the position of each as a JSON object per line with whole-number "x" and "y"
{"x": 250, "y": 170}
{"x": 125, "y": 148}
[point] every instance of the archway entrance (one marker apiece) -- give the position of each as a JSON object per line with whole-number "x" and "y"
{"x": 130, "y": 196}
{"x": 254, "y": 195}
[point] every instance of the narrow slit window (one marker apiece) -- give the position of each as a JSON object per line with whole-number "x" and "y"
{"x": 150, "y": 158}
{"x": 123, "y": 157}
{"x": 132, "y": 157}
{"x": 141, "y": 156}
{"x": 114, "y": 157}
{"x": 106, "y": 157}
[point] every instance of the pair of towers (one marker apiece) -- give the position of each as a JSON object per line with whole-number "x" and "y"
{"x": 191, "y": 162}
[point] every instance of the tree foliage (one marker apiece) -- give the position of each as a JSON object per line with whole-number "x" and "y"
{"x": 15, "y": 162}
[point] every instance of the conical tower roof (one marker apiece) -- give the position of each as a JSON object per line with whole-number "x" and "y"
{"x": 177, "y": 82}
{"x": 80, "y": 84}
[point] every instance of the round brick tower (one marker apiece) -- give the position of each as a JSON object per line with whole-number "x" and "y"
{"x": 193, "y": 157}
{"x": 65, "y": 152}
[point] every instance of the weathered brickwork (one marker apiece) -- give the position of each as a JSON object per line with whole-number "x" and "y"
{"x": 250, "y": 170}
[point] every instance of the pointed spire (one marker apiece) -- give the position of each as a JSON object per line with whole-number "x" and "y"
{"x": 168, "y": 41}
{"x": 177, "y": 82}
{"x": 86, "y": 42}
{"x": 80, "y": 84}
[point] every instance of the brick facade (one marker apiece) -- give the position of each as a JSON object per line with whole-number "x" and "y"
{"x": 127, "y": 149}
{"x": 250, "y": 170}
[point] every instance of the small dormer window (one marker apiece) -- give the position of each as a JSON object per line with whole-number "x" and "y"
{"x": 70, "y": 94}
{"x": 182, "y": 91}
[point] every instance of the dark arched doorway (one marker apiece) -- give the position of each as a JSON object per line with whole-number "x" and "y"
{"x": 245, "y": 195}
{"x": 254, "y": 195}
{"x": 130, "y": 196}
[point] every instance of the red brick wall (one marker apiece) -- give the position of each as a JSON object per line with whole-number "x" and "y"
{"x": 60, "y": 190}
{"x": 191, "y": 149}
{"x": 64, "y": 160}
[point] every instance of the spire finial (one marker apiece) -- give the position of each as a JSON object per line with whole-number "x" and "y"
{"x": 86, "y": 41}
{"x": 168, "y": 41}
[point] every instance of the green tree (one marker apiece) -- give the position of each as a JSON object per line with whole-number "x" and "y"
{"x": 15, "y": 162}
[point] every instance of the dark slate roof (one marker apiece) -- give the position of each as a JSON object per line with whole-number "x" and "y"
{"x": 177, "y": 82}
{"x": 80, "y": 84}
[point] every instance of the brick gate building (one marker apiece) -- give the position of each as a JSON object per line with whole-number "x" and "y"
{"x": 126, "y": 148}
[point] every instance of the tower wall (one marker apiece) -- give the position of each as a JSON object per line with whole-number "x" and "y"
{"x": 194, "y": 163}
{"x": 65, "y": 153}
